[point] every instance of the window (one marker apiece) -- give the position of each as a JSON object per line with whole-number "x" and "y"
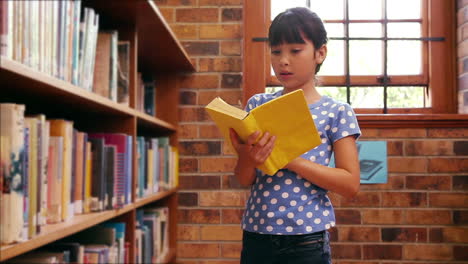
{"x": 385, "y": 56}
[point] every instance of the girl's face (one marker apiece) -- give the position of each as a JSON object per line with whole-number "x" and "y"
{"x": 294, "y": 64}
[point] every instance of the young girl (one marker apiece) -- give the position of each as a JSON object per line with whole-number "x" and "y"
{"x": 288, "y": 214}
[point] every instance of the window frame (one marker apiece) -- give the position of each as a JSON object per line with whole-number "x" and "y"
{"x": 440, "y": 60}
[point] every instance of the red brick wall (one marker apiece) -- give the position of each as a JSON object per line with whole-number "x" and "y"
{"x": 419, "y": 216}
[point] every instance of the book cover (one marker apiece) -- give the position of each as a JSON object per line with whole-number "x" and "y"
{"x": 123, "y": 73}
{"x": 286, "y": 117}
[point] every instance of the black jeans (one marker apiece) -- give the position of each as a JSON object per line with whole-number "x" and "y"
{"x": 285, "y": 249}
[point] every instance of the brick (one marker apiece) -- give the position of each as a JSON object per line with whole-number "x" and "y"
{"x": 231, "y": 48}
{"x": 463, "y": 46}
{"x": 192, "y": 114}
{"x": 168, "y": 14}
{"x": 198, "y": 250}
{"x": 362, "y": 199}
{"x": 188, "y": 199}
{"x": 220, "y": 2}
{"x": 347, "y": 217}
{"x": 435, "y": 235}
{"x": 199, "y": 216}
{"x": 384, "y": 216}
{"x": 221, "y": 232}
{"x": 448, "y": 132}
{"x": 358, "y": 234}
{"x": 402, "y": 133}
{"x": 232, "y": 97}
{"x": 210, "y": 131}
{"x": 199, "y": 15}
{"x": 382, "y": 252}
{"x": 231, "y": 216}
{"x": 227, "y": 64}
{"x": 429, "y": 148}
{"x": 428, "y": 217}
{"x": 188, "y": 232}
{"x": 448, "y": 165}
{"x": 208, "y": 148}
{"x": 428, "y": 182}
{"x": 455, "y": 235}
{"x": 188, "y": 165}
{"x": 407, "y": 164}
{"x": 200, "y": 81}
{"x": 231, "y": 250}
{"x": 404, "y": 235}
{"x": 460, "y": 253}
{"x": 199, "y": 182}
{"x": 231, "y": 31}
{"x": 394, "y": 182}
{"x": 188, "y": 98}
{"x": 230, "y": 182}
{"x": 404, "y": 199}
{"x": 231, "y": 14}
{"x": 427, "y": 252}
{"x": 345, "y": 251}
{"x": 231, "y": 81}
{"x": 460, "y": 148}
{"x": 217, "y": 164}
{"x": 448, "y": 200}
{"x": 185, "y": 32}
{"x": 174, "y": 2}
{"x": 204, "y": 48}
{"x": 231, "y": 198}
{"x": 460, "y": 217}
{"x": 395, "y": 148}
{"x": 335, "y": 199}
{"x": 370, "y": 133}
{"x": 188, "y": 131}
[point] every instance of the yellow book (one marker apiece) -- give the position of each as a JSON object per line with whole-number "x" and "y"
{"x": 150, "y": 171}
{"x": 89, "y": 169}
{"x": 286, "y": 117}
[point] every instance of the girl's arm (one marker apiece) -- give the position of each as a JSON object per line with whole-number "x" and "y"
{"x": 344, "y": 179}
{"x": 250, "y": 154}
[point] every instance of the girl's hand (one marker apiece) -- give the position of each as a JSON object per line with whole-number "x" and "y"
{"x": 251, "y": 152}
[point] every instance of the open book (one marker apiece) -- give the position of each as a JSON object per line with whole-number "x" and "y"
{"x": 286, "y": 117}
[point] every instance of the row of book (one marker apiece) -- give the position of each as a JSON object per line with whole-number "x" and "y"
{"x": 62, "y": 39}
{"x": 107, "y": 243}
{"x": 50, "y": 171}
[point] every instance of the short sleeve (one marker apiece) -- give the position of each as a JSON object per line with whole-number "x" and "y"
{"x": 345, "y": 124}
{"x": 253, "y": 102}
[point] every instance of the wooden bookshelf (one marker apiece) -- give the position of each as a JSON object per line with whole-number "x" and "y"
{"x": 154, "y": 50}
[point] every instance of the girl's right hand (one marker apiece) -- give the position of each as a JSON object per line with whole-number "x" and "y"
{"x": 253, "y": 152}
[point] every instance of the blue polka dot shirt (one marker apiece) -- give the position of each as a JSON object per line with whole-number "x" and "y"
{"x": 286, "y": 203}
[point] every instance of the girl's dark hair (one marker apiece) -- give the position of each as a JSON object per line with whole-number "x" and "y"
{"x": 290, "y": 25}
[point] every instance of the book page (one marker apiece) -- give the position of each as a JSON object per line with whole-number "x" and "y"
{"x": 221, "y": 106}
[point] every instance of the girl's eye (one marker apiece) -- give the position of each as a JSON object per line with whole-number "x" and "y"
{"x": 296, "y": 50}
{"x": 275, "y": 52}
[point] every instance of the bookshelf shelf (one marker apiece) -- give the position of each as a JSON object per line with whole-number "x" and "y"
{"x": 57, "y": 231}
{"x": 153, "y": 50}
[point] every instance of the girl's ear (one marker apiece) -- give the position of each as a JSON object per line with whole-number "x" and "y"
{"x": 321, "y": 54}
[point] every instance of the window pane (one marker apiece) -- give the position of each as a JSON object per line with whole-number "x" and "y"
{"x": 367, "y": 97}
{"x": 338, "y": 93}
{"x": 365, "y": 30}
{"x": 404, "y": 57}
{"x": 334, "y": 63}
{"x": 273, "y": 89}
{"x": 405, "y": 97}
{"x": 365, "y": 9}
{"x": 278, "y": 6}
{"x": 334, "y": 30}
{"x": 404, "y": 9}
{"x": 365, "y": 57}
{"x": 330, "y": 9}
{"x": 404, "y": 30}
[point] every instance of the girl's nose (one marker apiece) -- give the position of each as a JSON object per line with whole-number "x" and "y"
{"x": 284, "y": 60}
